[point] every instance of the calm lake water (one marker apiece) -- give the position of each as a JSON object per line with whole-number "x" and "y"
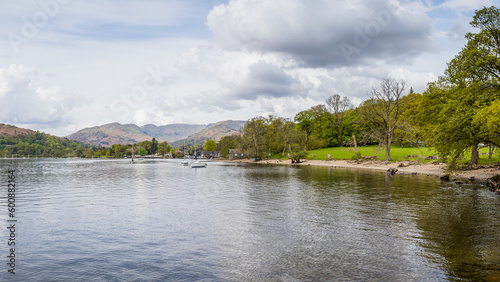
{"x": 95, "y": 220}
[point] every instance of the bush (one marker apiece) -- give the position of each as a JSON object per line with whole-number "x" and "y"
{"x": 297, "y": 156}
{"x": 356, "y": 156}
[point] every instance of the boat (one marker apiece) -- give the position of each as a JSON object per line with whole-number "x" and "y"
{"x": 197, "y": 163}
{"x": 185, "y": 162}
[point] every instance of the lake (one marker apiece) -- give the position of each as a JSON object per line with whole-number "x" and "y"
{"x": 109, "y": 220}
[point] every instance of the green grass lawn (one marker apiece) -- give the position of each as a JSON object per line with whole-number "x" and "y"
{"x": 397, "y": 153}
{"x": 483, "y": 157}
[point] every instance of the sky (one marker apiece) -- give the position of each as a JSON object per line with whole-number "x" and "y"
{"x": 66, "y": 65}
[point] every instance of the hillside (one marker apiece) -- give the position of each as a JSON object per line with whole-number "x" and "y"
{"x": 115, "y": 133}
{"x": 109, "y": 134}
{"x": 213, "y": 131}
{"x": 172, "y": 132}
{"x": 18, "y": 142}
{"x": 7, "y": 130}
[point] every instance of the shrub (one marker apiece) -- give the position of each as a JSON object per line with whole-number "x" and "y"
{"x": 297, "y": 156}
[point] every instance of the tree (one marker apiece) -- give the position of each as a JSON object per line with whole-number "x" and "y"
{"x": 470, "y": 84}
{"x": 487, "y": 119}
{"x": 154, "y": 147}
{"x": 479, "y": 60}
{"x": 446, "y": 119}
{"x": 314, "y": 122}
{"x": 142, "y": 152}
{"x": 381, "y": 111}
{"x": 225, "y": 144}
{"x": 253, "y": 133}
{"x": 339, "y": 109}
{"x": 210, "y": 145}
{"x": 305, "y": 122}
{"x": 408, "y": 133}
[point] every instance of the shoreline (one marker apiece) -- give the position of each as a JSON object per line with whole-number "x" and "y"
{"x": 478, "y": 176}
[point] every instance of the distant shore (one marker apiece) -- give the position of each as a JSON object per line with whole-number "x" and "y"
{"x": 404, "y": 167}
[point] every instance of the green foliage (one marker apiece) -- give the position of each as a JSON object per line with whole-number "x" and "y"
{"x": 356, "y": 156}
{"x": 478, "y": 60}
{"x": 297, "y": 156}
{"x": 225, "y": 144}
{"x": 262, "y": 137}
{"x": 142, "y": 152}
{"x": 40, "y": 145}
{"x": 459, "y": 111}
{"x": 154, "y": 147}
{"x": 210, "y": 146}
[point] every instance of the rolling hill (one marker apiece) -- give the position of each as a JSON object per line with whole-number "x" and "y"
{"x": 8, "y": 130}
{"x": 115, "y": 133}
{"x": 213, "y": 131}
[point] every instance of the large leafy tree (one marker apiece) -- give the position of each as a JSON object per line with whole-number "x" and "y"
{"x": 447, "y": 113}
{"x": 210, "y": 145}
{"x": 314, "y": 122}
{"x": 408, "y": 132}
{"x": 479, "y": 60}
{"x": 263, "y": 136}
{"x": 305, "y": 123}
{"x": 455, "y": 109}
{"x": 253, "y": 136}
{"x": 225, "y": 144}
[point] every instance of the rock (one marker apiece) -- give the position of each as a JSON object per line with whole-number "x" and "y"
{"x": 392, "y": 170}
{"x": 411, "y": 156}
{"x": 494, "y": 183}
{"x": 445, "y": 177}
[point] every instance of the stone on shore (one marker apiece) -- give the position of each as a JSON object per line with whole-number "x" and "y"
{"x": 494, "y": 183}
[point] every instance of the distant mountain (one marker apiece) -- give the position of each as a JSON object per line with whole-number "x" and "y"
{"x": 109, "y": 134}
{"x": 7, "y": 130}
{"x": 115, "y": 133}
{"x": 172, "y": 132}
{"x": 213, "y": 131}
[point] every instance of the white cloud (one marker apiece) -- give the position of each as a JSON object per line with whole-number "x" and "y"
{"x": 265, "y": 57}
{"x": 324, "y": 33}
{"x": 24, "y": 103}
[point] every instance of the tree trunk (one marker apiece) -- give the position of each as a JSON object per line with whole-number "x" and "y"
{"x": 355, "y": 145}
{"x": 474, "y": 155}
{"x": 307, "y": 141}
{"x": 388, "y": 149}
{"x": 340, "y": 136}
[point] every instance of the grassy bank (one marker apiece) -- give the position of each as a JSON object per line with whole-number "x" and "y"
{"x": 397, "y": 153}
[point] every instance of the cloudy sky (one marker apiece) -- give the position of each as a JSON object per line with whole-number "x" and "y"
{"x": 67, "y": 64}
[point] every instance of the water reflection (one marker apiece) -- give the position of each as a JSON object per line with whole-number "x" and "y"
{"x": 158, "y": 220}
